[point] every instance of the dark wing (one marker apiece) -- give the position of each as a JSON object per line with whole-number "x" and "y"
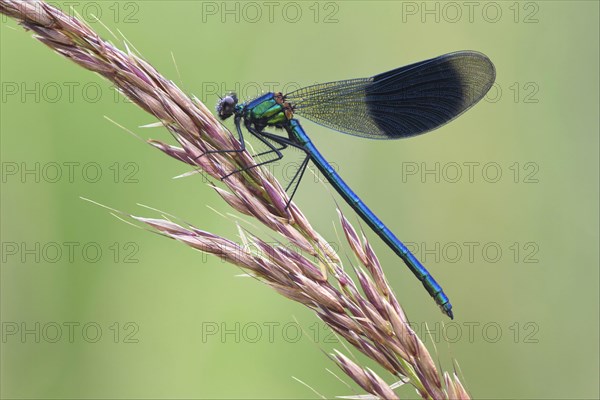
{"x": 404, "y": 102}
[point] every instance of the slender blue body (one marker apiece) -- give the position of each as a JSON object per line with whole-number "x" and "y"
{"x": 434, "y": 289}
{"x": 271, "y": 110}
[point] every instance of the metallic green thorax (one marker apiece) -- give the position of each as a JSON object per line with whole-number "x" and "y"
{"x": 267, "y": 110}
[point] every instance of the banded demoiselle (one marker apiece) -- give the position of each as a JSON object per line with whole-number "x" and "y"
{"x": 400, "y": 103}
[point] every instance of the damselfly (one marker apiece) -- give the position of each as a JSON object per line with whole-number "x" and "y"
{"x": 401, "y": 103}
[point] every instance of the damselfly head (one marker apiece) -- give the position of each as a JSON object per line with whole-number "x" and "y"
{"x": 226, "y": 105}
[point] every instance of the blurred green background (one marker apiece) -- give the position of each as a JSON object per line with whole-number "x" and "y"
{"x": 501, "y": 204}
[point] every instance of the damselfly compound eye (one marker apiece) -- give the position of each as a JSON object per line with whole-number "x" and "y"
{"x": 226, "y": 105}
